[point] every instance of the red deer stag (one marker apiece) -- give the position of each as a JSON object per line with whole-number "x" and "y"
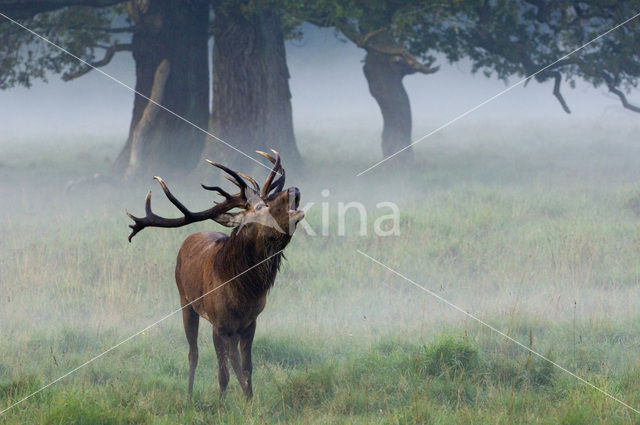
{"x": 225, "y": 278}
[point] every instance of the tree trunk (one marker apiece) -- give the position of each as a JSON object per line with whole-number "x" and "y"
{"x": 170, "y": 52}
{"x": 251, "y": 106}
{"x": 384, "y": 75}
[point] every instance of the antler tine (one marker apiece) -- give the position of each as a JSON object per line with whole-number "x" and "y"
{"x": 254, "y": 183}
{"x": 276, "y": 166}
{"x": 153, "y": 220}
{"x": 241, "y": 183}
{"x": 172, "y": 198}
{"x": 249, "y": 195}
{"x": 232, "y": 181}
{"x": 217, "y": 189}
{"x": 266, "y": 155}
{"x": 279, "y": 183}
{"x": 136, "y": 227}
{"x": 147, "y": 204}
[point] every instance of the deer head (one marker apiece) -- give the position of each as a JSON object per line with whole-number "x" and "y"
{"x": 269, "y": 212}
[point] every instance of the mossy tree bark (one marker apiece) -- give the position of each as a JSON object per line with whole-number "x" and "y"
{"x": 251, "y": 106}
{"x": 171, "y": 59}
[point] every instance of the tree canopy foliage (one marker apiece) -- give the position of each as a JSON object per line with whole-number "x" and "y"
{"x": 94, "y": 34}
{"x": 501, "y": 38}
{"x": 553, "y": 40}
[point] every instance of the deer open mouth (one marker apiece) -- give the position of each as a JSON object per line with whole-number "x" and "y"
{"x": 296, "y": 197}
{"x": 294, "y": 213}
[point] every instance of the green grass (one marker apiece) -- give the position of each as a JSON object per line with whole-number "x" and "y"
{"x": 535, "y": 232}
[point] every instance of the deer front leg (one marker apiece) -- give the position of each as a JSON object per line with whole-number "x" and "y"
{"x": 220, "y": 342}
{"x": 191, "y": 321}
{"x": 246, "y": 340}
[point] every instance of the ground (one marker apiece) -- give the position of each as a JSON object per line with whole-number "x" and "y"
{"x": 536, "y": 231}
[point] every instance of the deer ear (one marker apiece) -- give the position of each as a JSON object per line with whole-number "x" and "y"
{"x": 229, "y": 220}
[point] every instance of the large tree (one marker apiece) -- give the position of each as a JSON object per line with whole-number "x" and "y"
{"x": 501, "y": 38}
{"x": 251, "y": 100}
{"x": 375, "y": 27}
{"x": 386, "y": 64}
{"x": 168, "y": 40}
{"x": 169, "y": 46}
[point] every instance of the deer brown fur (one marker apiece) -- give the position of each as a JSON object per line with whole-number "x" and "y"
{"x": 225, "y": 278}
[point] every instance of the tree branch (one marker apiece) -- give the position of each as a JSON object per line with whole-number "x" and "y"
{"x": 369, "y": 42}
{"x": 369, "y": 36}
{"x": 623, "y": 98}
{"x": 531, "y": 68}
{"x": 108, "y": 55}
{"x": 556, "y": 91}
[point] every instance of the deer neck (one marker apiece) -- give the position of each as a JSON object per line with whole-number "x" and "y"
{"x": 251, "y": 261}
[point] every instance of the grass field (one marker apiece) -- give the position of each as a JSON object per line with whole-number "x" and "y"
{"x": 534, "y": 230}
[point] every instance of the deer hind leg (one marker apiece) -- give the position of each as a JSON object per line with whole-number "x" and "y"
{"x": 234, "y": 356}
{"x": 191, "y": 322}
{"x": 246, "y": 341}
{"x": 221, "y": 343}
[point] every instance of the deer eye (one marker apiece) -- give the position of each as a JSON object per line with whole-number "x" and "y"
{"x": 259, "y": 207}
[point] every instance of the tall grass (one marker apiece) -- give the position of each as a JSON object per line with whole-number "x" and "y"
{"x": 538, "y": 237}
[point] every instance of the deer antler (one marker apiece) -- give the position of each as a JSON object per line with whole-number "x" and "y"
{"x": 231, "y": 201}
{"x": 249, "y": 194}
{"x": 269, "y": 184}
{"x": 250, "y": 179}
{"x": 246, "y": 197}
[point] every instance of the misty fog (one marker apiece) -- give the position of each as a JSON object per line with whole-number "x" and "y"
{"x": 519, "y": 213}
{"x": 328, "y": 92}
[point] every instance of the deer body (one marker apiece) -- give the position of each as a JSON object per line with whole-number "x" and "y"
{"x": 199, "y": 270}
{"x": 231, "y": 306}
{"x": 225, "y": 278}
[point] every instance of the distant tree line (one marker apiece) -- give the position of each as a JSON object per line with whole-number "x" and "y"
{"x": 251, "y": 100}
